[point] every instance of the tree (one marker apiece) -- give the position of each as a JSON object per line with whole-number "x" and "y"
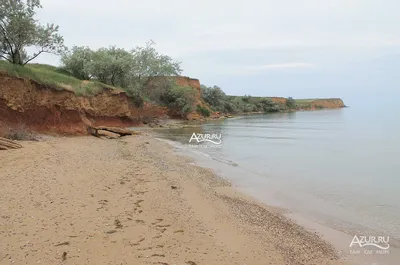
{"x": 214, "y": 96}
{"x": 19, "y": 30}
{"x": 148, "y": 64}
{"x": 77, "y": 62}
{"x": 109, "y": 65}
{"x": 142, "y": 72}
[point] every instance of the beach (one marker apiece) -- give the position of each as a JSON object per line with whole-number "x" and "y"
{"x": 85, "y": 200}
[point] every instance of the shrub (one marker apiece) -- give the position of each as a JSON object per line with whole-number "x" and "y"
{"x": 136, "y": 96}
{"x": 291, "y": 103}
{"x": 181, "y": 98}
{"x": 203, "y": 111}
{"x": 246, "y": 98}
{"x": 214, "y": 96}
{"x": 19, "y": 133}
{"x": 270, "y": 106}
{"x": 229, "y": 107}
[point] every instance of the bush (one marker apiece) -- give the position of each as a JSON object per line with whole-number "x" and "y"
{"x": 214, "y": 96}
{"x": 291, "y": 103}
{"x": 203, "y": 111}
{"x": 136, "y": 96}
{"x": 270, "y": 106}
{"x": 246, "y": 98}
{"x": 181, "y": 98}
{"x": 19, "y": 133}
{"x": 229, "y": 107}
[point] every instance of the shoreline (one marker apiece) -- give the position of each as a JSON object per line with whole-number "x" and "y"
{"x": 174, "y": 123}
{"x": 136, "y": 200}
{"x": 340, "y": 239}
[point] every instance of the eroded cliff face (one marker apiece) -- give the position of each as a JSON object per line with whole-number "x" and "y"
{"x": 46, "y": 109}
{"x": 52, "y": 110}
{"x": 331, "y": 103}
{"x": 328, "y": 103}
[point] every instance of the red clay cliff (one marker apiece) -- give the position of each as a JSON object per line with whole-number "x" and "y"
{"x": 47, "y": 109}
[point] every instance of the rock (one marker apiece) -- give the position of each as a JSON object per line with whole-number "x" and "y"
{"x": 107, "y": 134}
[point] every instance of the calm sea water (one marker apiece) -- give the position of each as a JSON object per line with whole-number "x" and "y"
{"x": 340, "y": 168}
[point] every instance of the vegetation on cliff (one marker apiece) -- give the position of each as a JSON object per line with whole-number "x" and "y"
{"x": 144, "y": 73}
{"x": 219, "y": 101}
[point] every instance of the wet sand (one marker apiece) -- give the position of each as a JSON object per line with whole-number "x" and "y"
{"x": 86, "y": 200}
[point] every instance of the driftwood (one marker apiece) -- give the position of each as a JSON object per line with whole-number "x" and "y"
{"x": 110, "y": 132}
{"x": 6, "y": 144}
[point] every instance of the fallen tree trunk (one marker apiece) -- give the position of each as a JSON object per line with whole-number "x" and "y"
{"x": 120, "y": 131}
{"x": 6, "y": 144}
{"x": 110, "y": 132}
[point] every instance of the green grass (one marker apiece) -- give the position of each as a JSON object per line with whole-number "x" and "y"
{"x": 305, "y": 103}
{"x": 53, "y": 76}
{"x": 306, "y": 100}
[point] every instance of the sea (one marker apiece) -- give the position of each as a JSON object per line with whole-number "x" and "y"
{"x": 337, "y": 168}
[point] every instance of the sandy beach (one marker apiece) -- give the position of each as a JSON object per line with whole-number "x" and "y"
{"x": 86, "y": 200}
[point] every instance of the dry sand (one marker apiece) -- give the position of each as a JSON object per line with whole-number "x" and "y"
{"x": 133, "y": 201}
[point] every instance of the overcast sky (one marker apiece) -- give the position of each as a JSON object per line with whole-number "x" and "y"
{"x": 299, "y": 48}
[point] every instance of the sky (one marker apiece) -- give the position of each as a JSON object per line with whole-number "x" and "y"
{"x": 298, "y": 48}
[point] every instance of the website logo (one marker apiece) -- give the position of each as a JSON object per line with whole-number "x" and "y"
{"x": 212, "y": 138}
{"x": 379, "y": 242}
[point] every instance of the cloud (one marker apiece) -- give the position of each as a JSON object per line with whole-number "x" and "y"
{"x": 186, "y": 27}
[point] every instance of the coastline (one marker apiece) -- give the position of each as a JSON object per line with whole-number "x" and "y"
{"x": 135, "y": 200}
{"x": 338, "y": 237}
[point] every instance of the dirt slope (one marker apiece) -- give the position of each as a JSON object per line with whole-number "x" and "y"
{"x": 45, "y": 109}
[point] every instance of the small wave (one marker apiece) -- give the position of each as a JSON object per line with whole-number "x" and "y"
{"x": 190, "y": 151}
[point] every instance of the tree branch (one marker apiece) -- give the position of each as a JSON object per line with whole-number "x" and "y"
{"x": 33, "y": 57}
{"x": 3, "y": 29}
{"x": 1, "y": 56}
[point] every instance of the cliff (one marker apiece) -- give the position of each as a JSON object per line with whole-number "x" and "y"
{"x": 57, "y": 109}
{"x": 47, "y": 109}
{"x": 327, "y": 103}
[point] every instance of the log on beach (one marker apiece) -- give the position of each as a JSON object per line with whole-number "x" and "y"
{"x": 6, "y": 144}
{"x": 110, "y": 132}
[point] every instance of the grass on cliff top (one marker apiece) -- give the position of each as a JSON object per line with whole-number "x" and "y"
{"x": 309, "y": 101}
{"x": 54, "y": 77}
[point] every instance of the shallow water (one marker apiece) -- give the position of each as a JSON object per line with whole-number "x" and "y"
{"x": 339, "y": 168}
